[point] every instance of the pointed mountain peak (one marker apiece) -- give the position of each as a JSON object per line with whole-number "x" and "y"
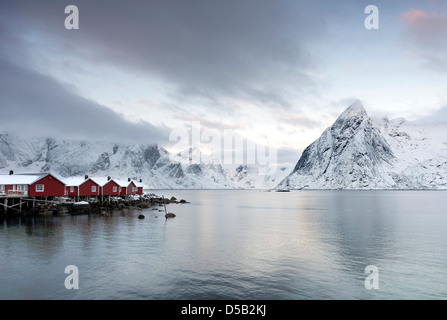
{"x": 355, "y": 109}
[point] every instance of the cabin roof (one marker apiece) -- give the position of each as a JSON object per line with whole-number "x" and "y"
{"x": 76, "y": 181}
{"x": 101, "y": 181}
{"x": 25, "y": 178}
{"x": 20, "y": 178}
{"x": 123, "y": 183}
{"x": 138, "y": 184}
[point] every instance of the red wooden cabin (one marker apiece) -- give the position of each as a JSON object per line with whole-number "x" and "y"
{"x": 82, "y": 187}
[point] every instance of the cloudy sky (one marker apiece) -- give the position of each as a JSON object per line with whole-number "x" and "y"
{"x": 276, "y": 72}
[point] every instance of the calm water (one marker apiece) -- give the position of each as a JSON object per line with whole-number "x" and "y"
{"x": 237, "y": 245}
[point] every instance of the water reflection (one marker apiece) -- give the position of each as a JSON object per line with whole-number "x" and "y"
{"x": 236, "y": 245}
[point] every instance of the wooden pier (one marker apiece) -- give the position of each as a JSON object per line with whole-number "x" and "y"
{"x": 16, "y": 204}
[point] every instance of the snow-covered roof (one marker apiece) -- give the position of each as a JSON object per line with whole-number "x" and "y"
{"x": 138, "y": 184}
{"x": 122, "y": 183}
{"x": 9, "y": 179}
{"x": 101, "y": 181}
{"x": 74, "y": 181}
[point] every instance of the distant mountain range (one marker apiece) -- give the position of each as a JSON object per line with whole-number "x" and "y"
{"x": 152, "y": 164}
{"x": 356, "y": 152}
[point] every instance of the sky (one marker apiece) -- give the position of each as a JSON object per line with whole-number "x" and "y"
{"x": 275, "y": 72}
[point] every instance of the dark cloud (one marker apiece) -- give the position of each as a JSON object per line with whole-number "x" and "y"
{"x": 250, "y": 49}
{"x": 34, "y": 104}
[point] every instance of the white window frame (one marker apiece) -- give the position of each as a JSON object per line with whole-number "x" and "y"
{"x": 72, "y": 189}
{"x": 115, "y": 189}
{"x": 38, "y": 190}
{"x": 93, "y": 188}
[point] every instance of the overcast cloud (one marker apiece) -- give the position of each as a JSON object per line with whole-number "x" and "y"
{"x": 426, "y": 34}
{"x": 251, "y": 49}
{"x": 34, "y": 104}
{"x": 270, "y": 68}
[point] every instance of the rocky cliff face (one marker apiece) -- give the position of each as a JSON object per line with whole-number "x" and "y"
{"x": 358, "y": 152}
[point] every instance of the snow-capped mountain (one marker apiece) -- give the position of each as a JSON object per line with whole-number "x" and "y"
{"x": 356, "y": 152}
{"x": 153, "y": 164}
{"x": 359, "y": 152}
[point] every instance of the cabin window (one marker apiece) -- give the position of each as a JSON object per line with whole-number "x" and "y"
{"x": 93, "y": 188}
{"x": 120, "y": 189}
{"x": 114, "y": 189}
{"x": 39, "y": 187}
{"x": 72, "y": 189}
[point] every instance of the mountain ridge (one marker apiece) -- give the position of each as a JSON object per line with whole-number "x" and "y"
{"x": 356, "y": 152}
{"x": 153, "y": 164}
{"x": 359, "y": 152}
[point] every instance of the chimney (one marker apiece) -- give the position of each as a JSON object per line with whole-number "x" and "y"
{"x": 11, "y": 172}
{"x": 128, "y": 179}
{"x": 108, "y": 178}
{"x": 86, "y": 177}
{"x": 141, "y": 180}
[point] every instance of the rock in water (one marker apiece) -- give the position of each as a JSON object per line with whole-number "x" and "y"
{"x": 141, "y": 216}
{"x": 169, "y": 215}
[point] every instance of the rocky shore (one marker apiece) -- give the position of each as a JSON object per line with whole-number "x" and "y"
{"x": 64, "y": 206}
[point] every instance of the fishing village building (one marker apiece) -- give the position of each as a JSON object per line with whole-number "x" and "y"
{"x": 43, "y": 186}
{"x": 31, "y": 185}
{"x": 81, "y": 187}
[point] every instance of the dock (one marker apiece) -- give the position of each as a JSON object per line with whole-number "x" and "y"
{"x": 20, "y": 204}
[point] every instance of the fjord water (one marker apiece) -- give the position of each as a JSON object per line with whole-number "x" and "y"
{"x": 232, "y": 244}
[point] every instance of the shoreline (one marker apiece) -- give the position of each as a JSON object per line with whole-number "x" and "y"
{"x": 62, "y": 207}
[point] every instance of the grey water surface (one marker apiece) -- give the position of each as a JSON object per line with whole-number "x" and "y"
{"x": 237, "y": 244}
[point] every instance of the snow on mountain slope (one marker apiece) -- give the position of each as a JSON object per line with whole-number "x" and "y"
{"x": 358, "y": 152}
{"x": 422, "y": 152}
{"x": 154, "y": 165}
